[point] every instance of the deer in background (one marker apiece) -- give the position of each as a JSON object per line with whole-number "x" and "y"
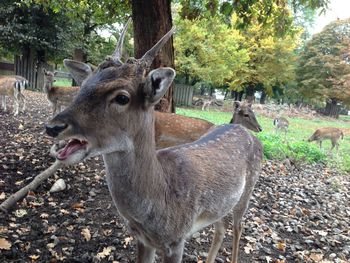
{"x": 330, "y": 133}
{"x": 13, "y": 86}
{"x": 173, "y": 129}
{"x": 56, "y": 95}
{"x": 164, "y": 196}
{"x": 281, "y": 124}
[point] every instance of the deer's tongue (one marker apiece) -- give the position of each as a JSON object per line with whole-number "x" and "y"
{"x": 72, "y": 146}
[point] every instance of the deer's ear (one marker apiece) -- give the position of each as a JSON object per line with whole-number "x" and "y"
{"x": 79, "y": 70}
{"x": 236, "y": 104}
{"x": 157, "y": 83}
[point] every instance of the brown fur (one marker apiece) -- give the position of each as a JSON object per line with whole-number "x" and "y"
{"x": 172, "y": 129}
{"x": 8, "y": 88}
{"x": 327, "y": 133}
{"x": 56, "y": 95}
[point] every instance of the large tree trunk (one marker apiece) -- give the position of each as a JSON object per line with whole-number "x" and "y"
{"x": 332, "y": 108}
{"x": 152, "y": 19}
{"x": 29, "y": 65}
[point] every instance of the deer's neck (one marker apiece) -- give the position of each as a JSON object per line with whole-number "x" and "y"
{"x": 135, "y": 178}
{"x": 47, "y": 87}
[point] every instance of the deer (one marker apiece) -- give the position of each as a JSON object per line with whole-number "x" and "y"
{"x": 173, "y": 129}
{"x": 58, "y": 96}
{"x": 281, "y": 124}
{"x": 167, "y": 195}
{"x": 13, "y": 86}
{"x": 331, "y": 133}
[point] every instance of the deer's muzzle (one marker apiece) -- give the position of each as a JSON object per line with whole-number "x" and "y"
{"x": 55, "y": 130}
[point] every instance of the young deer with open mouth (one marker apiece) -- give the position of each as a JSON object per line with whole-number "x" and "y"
{"x": 167, "y": 195}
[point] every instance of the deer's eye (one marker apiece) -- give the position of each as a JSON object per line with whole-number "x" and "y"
{"x": 121, "y": 99}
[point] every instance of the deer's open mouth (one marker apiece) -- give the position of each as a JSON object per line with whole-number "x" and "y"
{"x": 72, "y": 147}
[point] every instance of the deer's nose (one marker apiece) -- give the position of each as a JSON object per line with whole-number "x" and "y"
{"x": 54, "y": 130}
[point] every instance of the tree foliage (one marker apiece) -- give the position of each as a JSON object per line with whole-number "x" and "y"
{"x": 34, "y": 28}
{"x": 324, "y": 66}
{"x": 216, "y": 55}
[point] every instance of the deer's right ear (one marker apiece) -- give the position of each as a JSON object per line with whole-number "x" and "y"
{"x": 236, "y": 104}
{"x": 157, "y": 83}
{"x": 79, "y": 70}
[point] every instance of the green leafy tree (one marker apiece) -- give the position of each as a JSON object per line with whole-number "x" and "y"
{"x": 324, "y": 66}
{"x": 33, "y": 35}
{"x": 216, "y": 55}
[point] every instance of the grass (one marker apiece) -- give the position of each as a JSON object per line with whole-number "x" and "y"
{"x": 295, "y": 145}
{"x": 63, "y": 82}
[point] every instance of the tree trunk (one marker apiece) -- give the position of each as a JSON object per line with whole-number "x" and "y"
{"x": 263, "y": 97}
{"x": 152, "y": 20}
{"x": 29, "y": 65}
{"x": 332, "y": 108}
{"x": 250, "y": 93}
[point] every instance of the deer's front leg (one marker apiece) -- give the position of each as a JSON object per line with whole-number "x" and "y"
{"x": 144, "y": 254}
{"x": 174, "y": 252}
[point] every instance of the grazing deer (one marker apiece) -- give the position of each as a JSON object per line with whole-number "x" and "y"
{"x": 57, "y": 96}
{"x": 167, "y": 195}
{"x": 243, "y": 114}
{"x": 207, "y": 104}
{"x": 281, "y": 124}
{"x": 331, "y": 133}
{"x": 13, "y": 86}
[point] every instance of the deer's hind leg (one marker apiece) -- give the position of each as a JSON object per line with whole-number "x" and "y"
{"x": 219, "y": 234}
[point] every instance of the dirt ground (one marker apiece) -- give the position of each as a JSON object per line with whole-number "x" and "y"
{"x": 297, "y": 213}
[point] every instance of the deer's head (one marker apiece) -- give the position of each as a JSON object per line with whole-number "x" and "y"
{"x": 243, "y": 114}
{"x": 114, "y": 105}
{"x": 49, "y": 76}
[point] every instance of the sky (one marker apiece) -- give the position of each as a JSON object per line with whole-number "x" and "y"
{"x": 337, "y": 9}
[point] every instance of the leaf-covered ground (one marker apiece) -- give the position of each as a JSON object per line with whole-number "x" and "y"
{"x": 297, "y": 214}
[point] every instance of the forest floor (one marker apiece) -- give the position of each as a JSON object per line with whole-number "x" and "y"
{"x": 297, "y": 213}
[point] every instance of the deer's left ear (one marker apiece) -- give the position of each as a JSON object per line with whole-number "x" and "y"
{"x": 79, "y": 70}
{"x": 157, "y": 83}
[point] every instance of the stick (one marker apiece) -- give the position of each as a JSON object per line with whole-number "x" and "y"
{"x": 9, "y": 202}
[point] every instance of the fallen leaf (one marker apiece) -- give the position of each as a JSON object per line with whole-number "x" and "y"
{"x": 2, "y": 196}
{"x": 281, "y": 246}
{"x": 316, "y": 257}
{"x": 105, "y": 252}
{"x": 44, "y": 215}
{"x": 20, "y": 213}
{"x": 34, "y": 257}
{"x": 268, "y": 259}
{"x": 248, "y": 248}
{"x": 4, "y": 244}
{"x": 86, "y": 234}
{"x": 127, "y": 240}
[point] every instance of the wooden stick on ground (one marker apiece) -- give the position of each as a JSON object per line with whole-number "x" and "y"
{"x": 9, "y": 202}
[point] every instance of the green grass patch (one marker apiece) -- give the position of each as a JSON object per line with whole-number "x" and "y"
{"x": 62, "y": 82}
{"x": 295, "y": 145}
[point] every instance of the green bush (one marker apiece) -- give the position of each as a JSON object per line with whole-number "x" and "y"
{"x": 276, "y": 148}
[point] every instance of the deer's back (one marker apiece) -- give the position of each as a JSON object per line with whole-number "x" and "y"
{"x": 63, "y": 94}
{"x": 7, "y": 85}
{"x": 214, "y": 169}
{"x": 327, "y": 133}
{"x": 172, "y": 129}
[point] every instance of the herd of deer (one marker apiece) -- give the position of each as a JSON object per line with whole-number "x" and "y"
{"x": 201, "y": 174}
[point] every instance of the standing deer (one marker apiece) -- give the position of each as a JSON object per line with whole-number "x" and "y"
{"x": 281, "y": 124}
{"x": 13, "y": 86}
{"x": 331, "y": 133}
{"x": 57, "y": 96}
{"x": 166, "y": 195}
{"x": 172, "y": 129}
